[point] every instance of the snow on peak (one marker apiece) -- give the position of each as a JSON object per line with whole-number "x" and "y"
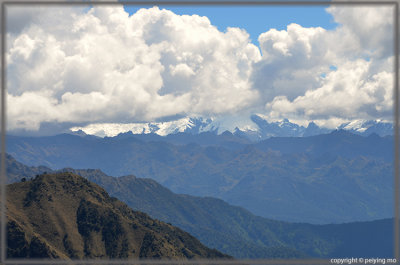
{"x": 356, "y": 125}
{"x": 193, "y": 125}
{"x": 257, "y": 127}
{"x": 366, "y": 127}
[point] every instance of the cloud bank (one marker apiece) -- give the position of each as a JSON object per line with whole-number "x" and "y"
{"x": 100, "y": 65}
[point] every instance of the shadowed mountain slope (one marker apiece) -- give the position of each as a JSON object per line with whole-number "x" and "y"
{"x": 16, "y": 170}
{"x": 333, "y": 178}
{"x": 214, "y": 222}
{"x": 239, "y": 233}
{"x": 63, "y": 215}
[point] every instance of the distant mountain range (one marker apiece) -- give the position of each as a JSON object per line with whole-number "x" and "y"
{"x": 285, "y": 128}
{"x": 193, "y": 125}
{"x": 258, "y": 128}
{"x": 230, "y": 229}
{"x": 65, "y": 216}
{"x": 329, "y": 178}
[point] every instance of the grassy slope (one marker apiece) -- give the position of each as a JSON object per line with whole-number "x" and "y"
{"x": 64, "y": 215}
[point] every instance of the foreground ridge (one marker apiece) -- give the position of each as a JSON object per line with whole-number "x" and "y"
{"x": 65, "y": 216}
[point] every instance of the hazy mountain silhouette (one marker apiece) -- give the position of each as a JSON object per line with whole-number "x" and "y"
{"x": 331, "y": 178}
{"x": 237, "y": 232}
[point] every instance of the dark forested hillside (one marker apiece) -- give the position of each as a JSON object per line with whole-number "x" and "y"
{"x": 63, "y": 215}
{"x": 237, "y": 232}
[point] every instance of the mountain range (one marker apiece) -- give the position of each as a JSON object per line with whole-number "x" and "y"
{"x": 217, "y": 224}
{"x": 62, "y": 216}
{"x": 329, "y": 178}
{"x": 258, "y": 128}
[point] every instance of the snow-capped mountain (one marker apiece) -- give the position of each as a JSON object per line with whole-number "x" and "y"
{"x": 190, "y": 125}
{"x": 367, "y": 127}
{"x": 283, "y": 128}
{"x": 314, "y": 129}
{"x": 255, "y": 129}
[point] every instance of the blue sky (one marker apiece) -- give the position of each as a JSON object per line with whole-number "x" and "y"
{"x": 256, "y": 20}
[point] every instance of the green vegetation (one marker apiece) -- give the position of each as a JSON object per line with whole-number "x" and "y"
{"x": 230, "y": 229}
{"x": 82, "y": 221}
{"x": 237, "y": 232}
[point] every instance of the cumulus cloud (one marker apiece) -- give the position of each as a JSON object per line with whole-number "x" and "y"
{"x": 100, "y": 65}
{"x": 336, "y": 75}
{"x": 292, "y": 61}
{"x": 106, "y": 66}
{"x": 348, "y": 92}
{"x": 370, "y": 29}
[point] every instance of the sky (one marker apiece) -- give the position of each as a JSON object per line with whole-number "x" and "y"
{"x": 255, "y": 20}
{"x": 73, "y": 66}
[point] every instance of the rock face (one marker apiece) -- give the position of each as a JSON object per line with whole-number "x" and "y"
{"x": 65, "y": 216}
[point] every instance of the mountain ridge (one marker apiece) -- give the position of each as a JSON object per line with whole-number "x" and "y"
{"x": 253, "y": 176}
{"x": 236, "y": 231}
{"x": 63, "y": 215}
{"x": 258, "y": 128}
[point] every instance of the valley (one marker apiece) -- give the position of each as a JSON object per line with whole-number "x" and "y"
{"x": 230, "y": 229}
{"x": 329, "y": 178}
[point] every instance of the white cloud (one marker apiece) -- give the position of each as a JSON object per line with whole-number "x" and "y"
{"x": 104, "y": 66}
{"x": 296, "y": 79}
{"x": 292, "y": 61}
{"x": 368, "y": 28}
{"x": 350, "y": 92}
{"x": 181, "y": 69}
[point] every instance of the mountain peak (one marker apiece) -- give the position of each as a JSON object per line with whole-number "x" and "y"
{"x": 79, "y": 133}
{"x": 312, "y": 124}
{"x": 125, "y": 135}
{"x": 254, "y": 128}
{"x": 367, "y": 127}
{"x": 63, "y": 215}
